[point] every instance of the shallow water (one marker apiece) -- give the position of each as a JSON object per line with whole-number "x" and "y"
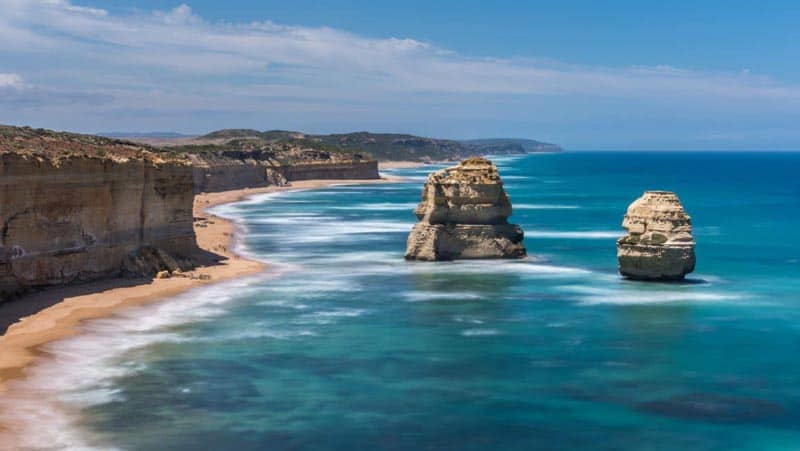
{"x": 349, "y": 346}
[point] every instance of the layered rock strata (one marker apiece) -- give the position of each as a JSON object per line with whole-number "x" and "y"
{"x": 350, "y": 169}
{"x": 659, "y": 244}
{"x": 239, "y": 169}
{"x": 78, "y": 208}
{"x": 463, "y": 214}
{"x": 229, "y": 170}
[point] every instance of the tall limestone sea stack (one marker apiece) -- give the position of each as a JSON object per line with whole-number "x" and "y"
{"x": 463, "y": 215}
{"x": 659, "y": 244}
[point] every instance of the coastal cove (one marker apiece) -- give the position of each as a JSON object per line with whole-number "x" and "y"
{"x": 69, "y": 307}
{"x": 341, "y": 343}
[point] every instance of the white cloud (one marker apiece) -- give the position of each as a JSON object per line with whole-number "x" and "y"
{"x": 13, "y": 81}
{"x": 142, "y": 59}
{"x": 180, "y": 15}
{"x": 178, "y": 40}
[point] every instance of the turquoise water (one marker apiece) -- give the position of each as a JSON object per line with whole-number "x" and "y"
{"x": 350, "y": 347}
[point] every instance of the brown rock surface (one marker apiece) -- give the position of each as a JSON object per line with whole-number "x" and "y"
{"x": 659, "y": 244}
{"x": 75, "y": 207}
{"x": 463, "y": 214}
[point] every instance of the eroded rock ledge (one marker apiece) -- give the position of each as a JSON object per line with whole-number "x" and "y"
{"x": 463, "y": 214}
{"x": 659, "y": 244}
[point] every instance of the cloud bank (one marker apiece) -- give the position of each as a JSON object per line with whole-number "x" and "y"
{"x": 172, "y": 69}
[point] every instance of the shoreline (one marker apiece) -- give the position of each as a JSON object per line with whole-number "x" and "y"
{"x": 400, "y": 164}
{"x": 21, "y": 346}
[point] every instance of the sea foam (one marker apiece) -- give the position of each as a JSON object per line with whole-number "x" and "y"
{"x": 523, "y": 206}
{"x": 577, "y": 235}
{"x": 81, "y": 370}
{"x": 480, "y": 332}
{"x": 633, "y": 296}
{"x": 425, "y": 296}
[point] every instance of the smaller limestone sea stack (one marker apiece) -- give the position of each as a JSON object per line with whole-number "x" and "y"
{"x": 659, "y": 244}
{"x": 463, "y": 215}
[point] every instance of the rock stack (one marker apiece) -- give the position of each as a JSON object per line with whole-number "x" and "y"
{"x": 659, "y": 243}
{"x": 463, "y": 214}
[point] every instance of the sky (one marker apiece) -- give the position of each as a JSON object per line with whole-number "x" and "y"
{"x": 611, "y": 75}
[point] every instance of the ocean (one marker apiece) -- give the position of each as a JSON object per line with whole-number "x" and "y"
{"x": 344, "y": 345}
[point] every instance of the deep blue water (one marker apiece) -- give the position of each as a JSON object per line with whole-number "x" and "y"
{"x": 351, "y": 347}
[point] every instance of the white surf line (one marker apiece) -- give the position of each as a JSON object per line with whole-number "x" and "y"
{"x": 578, "y": 234}
{"x": 622, "y": 295}
{"x": 524, "y": 206}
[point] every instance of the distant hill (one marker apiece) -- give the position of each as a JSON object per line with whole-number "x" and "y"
{"x": 129, "y": 135}
{"x": 389, "y": 146}
{"x": 382, "y": 146}
{"x": 239, "y": 133}
{"x": 511, "y": 145}
{"x": 53, "y": 146}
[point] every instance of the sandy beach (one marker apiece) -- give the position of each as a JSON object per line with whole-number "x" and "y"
{"x": 20, "y": 346}
{"x": 400, "y": 164}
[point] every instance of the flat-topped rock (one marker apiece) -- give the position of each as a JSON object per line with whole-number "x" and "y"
{"x": 659, "y": 244}
{"x": 464, "y": 214}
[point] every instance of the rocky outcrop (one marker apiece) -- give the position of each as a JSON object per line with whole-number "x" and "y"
{"x": 463, "y": 214}
{"x": 75, "y": 207}
{"x": 659, "y": 243}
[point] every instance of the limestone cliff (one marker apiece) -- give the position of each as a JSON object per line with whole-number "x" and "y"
{"x": 659, "y": 244}
{"x": 330, "y": 170}
{"x": 76, "y": 207}
{"x": 463, "y": 214}
{"x": 226, "y": 169}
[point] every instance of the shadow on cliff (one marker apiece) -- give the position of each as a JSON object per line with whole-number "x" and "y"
{"x": 203, "y": 257}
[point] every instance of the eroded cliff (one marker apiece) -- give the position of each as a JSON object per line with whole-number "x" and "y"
{"x": 76, "y": 207}
{"x": 237, "y": 165}
{"x": 225, "y": 170}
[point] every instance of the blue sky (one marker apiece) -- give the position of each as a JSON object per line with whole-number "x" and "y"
{"x": 718, "y": 35}
{"x": 584, "y": 74}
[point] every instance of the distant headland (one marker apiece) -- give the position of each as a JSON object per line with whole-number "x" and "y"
{"x": 380, "y": 146}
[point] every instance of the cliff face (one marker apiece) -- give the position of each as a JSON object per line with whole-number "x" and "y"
{"x": 238, "y": 169}
{"x": 463, "y": 214}
{"x": 352, "y": 169}
{"x": 659, "y": 244}
{"x": 74, "y": 208}
{"x": 233, "y": 169}
{"x": 230, "y": 176}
